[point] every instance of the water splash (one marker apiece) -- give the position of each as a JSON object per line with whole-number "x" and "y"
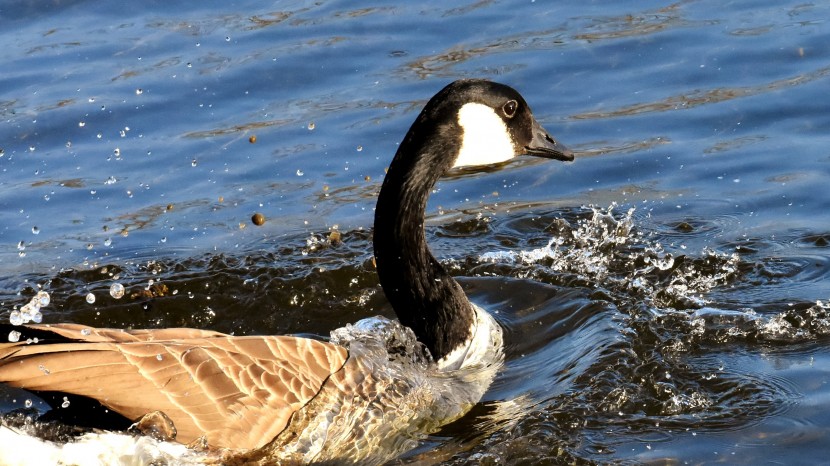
{"x": 606, "y": 251}
{"x": 31, "y": 311}
{"x": 661, "y": 298}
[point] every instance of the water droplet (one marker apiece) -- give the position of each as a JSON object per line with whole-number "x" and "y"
{"x": 193, "y": 163}
{"x": 107, "y": 241}
{"x": 90, "y": 298}
{"x": 85, "y": 332}
{"x": 43, "y": 369}
{"x": 117, "y": 290}
{"x": 139, "y": 91}
{"x": 21, "y": 246}
{"x": 35, "y": 230}
{"x": 300, "y": 173}
{"x": 43, "y": 298}
{"x": 14, "y": 336}
{"x": 15, "y": 318}
{"x": 163, "y": 239}
{"x": 111, "y": 180}
{"x": 37, "y": 317}
{"x": 99, "y": 135}
{"x": 159, "y": 357}
{"x": 311, "y": 125}
{"x": 81, "y": 124}
{"x": 227, "y": 38}
{"x": 360, "y": 148}
{"x": 117, "y": 152}
{"x": 27, "y": 403}
{"x": 65, "y": 403}
{"x": 27, "y": 311}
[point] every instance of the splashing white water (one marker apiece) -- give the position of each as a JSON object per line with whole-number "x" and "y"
{"x": 609, "y": 252}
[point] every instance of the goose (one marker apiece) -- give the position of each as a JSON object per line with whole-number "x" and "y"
{"x": 272, "y": 399}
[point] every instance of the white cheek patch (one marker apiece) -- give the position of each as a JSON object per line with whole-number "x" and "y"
{"x": 486, "y": 138}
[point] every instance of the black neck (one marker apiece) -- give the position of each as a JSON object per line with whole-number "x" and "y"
{"x": 424, "y": 296}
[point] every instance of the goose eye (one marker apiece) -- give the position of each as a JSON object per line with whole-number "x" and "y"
{"x": 510, "y": 108}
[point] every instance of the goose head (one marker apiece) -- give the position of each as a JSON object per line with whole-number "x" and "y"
{"x": 473, "y": 122}
{"x": 498, "y": 125}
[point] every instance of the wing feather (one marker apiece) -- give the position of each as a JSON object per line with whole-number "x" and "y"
{"x": 237, "y": 392}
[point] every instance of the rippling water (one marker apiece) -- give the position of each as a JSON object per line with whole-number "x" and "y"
{"x": 665, "y": 298}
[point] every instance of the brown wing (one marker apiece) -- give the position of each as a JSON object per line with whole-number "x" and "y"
{"x": 238, "y": 392}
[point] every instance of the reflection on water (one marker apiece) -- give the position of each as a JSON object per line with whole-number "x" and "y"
{"x": 634, "y": 24}
{"x": 706, "y": 97}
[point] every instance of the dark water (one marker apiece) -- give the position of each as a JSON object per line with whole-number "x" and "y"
{"x": 664, "y": 297}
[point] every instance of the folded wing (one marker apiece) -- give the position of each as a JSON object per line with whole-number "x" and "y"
{"x": 236, "y": 392}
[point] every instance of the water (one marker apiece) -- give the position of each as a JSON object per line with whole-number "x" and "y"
{"x": 664, "y": 297}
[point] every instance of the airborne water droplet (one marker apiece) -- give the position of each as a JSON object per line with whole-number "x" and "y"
{"x": 117, "y": 290}
{"x": 90, "y": 298}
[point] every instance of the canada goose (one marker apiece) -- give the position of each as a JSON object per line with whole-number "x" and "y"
{"x": 264, "y": 399}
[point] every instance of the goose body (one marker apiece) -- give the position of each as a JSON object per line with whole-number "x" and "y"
{"x": 270, "y": 399}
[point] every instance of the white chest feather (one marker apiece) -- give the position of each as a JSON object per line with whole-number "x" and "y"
{"x": 483, "y": 348}
{"x": 486, "y": 138}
